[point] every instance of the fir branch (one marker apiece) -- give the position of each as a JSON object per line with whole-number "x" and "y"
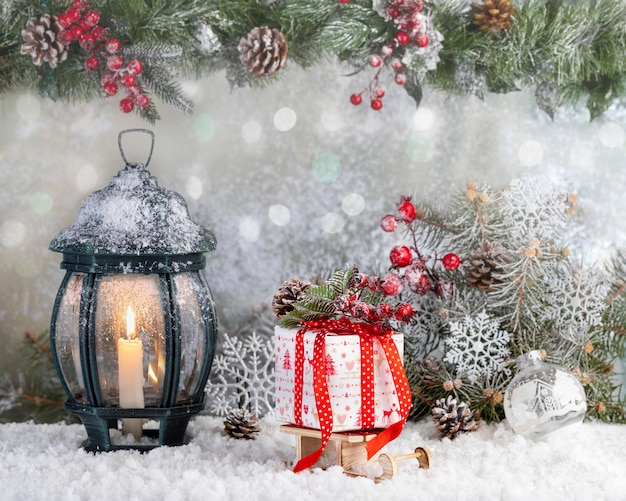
{"x": 158, "y": 80}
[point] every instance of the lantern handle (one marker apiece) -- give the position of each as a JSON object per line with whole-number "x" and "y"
{"x": 119, "y": 142}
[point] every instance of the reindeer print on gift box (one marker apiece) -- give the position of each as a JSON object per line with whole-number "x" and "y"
{"x": 344, "y": 370}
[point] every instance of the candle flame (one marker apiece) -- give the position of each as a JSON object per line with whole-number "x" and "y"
{"x": 130, "y": 323}
{"x": 152, "y": 375}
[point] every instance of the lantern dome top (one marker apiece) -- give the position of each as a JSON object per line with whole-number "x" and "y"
{"x": 133, "y": 215}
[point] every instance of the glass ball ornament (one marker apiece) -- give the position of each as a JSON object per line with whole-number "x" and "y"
{"x": 543, "y": 397}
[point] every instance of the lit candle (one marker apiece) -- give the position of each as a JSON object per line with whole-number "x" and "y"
{"x": 130, "y": 366}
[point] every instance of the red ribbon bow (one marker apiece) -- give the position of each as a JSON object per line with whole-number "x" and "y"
{"x": 367, "y": 333}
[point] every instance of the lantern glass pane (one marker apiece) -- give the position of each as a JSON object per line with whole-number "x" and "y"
{"x": 67, "y": 337}
{"x": 192, "y": 323}
{"x": 130, "y": 340}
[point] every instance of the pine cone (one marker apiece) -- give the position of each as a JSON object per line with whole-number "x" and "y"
{"x": 290, "y": 292}
{"x": 40, "y": 41}
{"x": 264, "y": 51}
{"x": 241, "y": 424}
{"x": 430, "y": 370}
{"x": 493, "y": 15}
{"x": 482, "y": 266}
{"x": 451, "y": 419}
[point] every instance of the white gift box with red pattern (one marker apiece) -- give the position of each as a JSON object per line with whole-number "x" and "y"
{"x": 342, "y": 360}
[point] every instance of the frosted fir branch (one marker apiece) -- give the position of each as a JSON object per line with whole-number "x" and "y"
{"x": 470, "y": 212}
{"x": 158, "y": 81}
{"x": 155, "y": 54}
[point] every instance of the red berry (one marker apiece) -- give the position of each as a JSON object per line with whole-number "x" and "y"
{"x": 344, "y": 1}
{"x": 83, "y": 25}
{"x": 402, "y": 37}
{"x": 87, "y": 41}
{"x": 64, "y": 37}
{"x": 92, "y": 63}
{"x": 76, "y": 32}
{"x": 387, "y": 50}
{"x": 375, "y": 60}
{"x": 389, "y": 223}
{"x": 406, "y": 210}
{"x": 109, "y": 88}
{"x": 451, "y": 261}
{"x": 73, "y": 14}
{"x": 126, "y": 105}
{"x": 418, "y": 5}
{"x": 98, "y": 32}
{"x": 114, "y": 63}
{"x": 393, "y": 11}
{"x": 142, "y": 101}
{"x": 404, "y": 312}
{"x": 379, "y": 92}
{"x": 400, "y": 78}
{"x": 127, "y": 80}
{"x": 359, "y": 309}
{"x": 81, "y": 4}
{"x": 392, "y": 284}
{"x": 356, "y": 99}
{"x": 421, "y": 40}
{"x": 417, "y": 281}
{"x": 113, "y": 45}
{"x": 64, "y": 20}
{"x": 374, "y": 283}
{"x": 396, "y": 64}
{"x": 107, "y": 78}
{"x": 135, "y": 67}
{"x": 92, "y": 17}
{"x": 342, "y": 302}
{"x": 384, "y": 310}
{"x": 400, "y": 256}
{"x": 376, "y": 104}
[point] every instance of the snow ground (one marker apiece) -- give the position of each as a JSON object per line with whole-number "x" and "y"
{"x": 41, "y": 462}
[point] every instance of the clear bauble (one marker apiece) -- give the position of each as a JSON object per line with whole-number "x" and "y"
{"x": 543, "y": 397}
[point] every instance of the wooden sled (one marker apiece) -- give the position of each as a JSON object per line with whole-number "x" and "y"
{"x": 348, "y": 449}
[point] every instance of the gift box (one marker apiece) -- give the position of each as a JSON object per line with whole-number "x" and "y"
{"x": 351, "y": 363}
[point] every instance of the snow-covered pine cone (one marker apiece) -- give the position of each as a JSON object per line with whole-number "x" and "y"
{"x": 263, "y": 51}
{"x": 241, "y": 424}
{"x": 493, "y": 15}
{"x": 483, "y": 265}
{"x": 40, "y": 41}
{"x": 451, "y": 419}
{"x": 290, "y": 292}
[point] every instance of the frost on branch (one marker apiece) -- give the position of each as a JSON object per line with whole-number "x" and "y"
{"x": 243, "y": 376}
{"x": 477, "y": 347}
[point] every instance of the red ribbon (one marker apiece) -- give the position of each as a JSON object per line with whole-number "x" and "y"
{"x": 367, "y": 333}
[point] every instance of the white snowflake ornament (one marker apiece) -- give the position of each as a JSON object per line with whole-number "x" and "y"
{"x": 477, "y": 347}
{"x": 243, "y": 376}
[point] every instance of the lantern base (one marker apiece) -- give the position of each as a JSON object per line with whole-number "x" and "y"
{"x": 98, "y": 422}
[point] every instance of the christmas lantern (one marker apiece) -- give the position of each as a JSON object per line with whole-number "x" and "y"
{"x": 543, "y": 397}
{"x": 133, "y": 328}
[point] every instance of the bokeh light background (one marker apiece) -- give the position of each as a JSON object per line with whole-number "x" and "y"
{"x": 292, "y": 178}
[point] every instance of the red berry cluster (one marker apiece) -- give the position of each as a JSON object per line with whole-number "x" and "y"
{"x": 81, "y": 24}
{"x": 408, "y": 265}
{"x": 406, "y": 18}
{"x": 352, "y": 305}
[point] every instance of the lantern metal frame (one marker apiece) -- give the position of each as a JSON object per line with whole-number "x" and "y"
{"x": 94, "y": 264}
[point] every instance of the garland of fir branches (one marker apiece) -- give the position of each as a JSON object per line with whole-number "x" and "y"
{"x": 563, "y": 51}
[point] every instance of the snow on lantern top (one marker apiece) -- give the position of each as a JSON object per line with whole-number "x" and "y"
{"x": 133, "y": 215}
